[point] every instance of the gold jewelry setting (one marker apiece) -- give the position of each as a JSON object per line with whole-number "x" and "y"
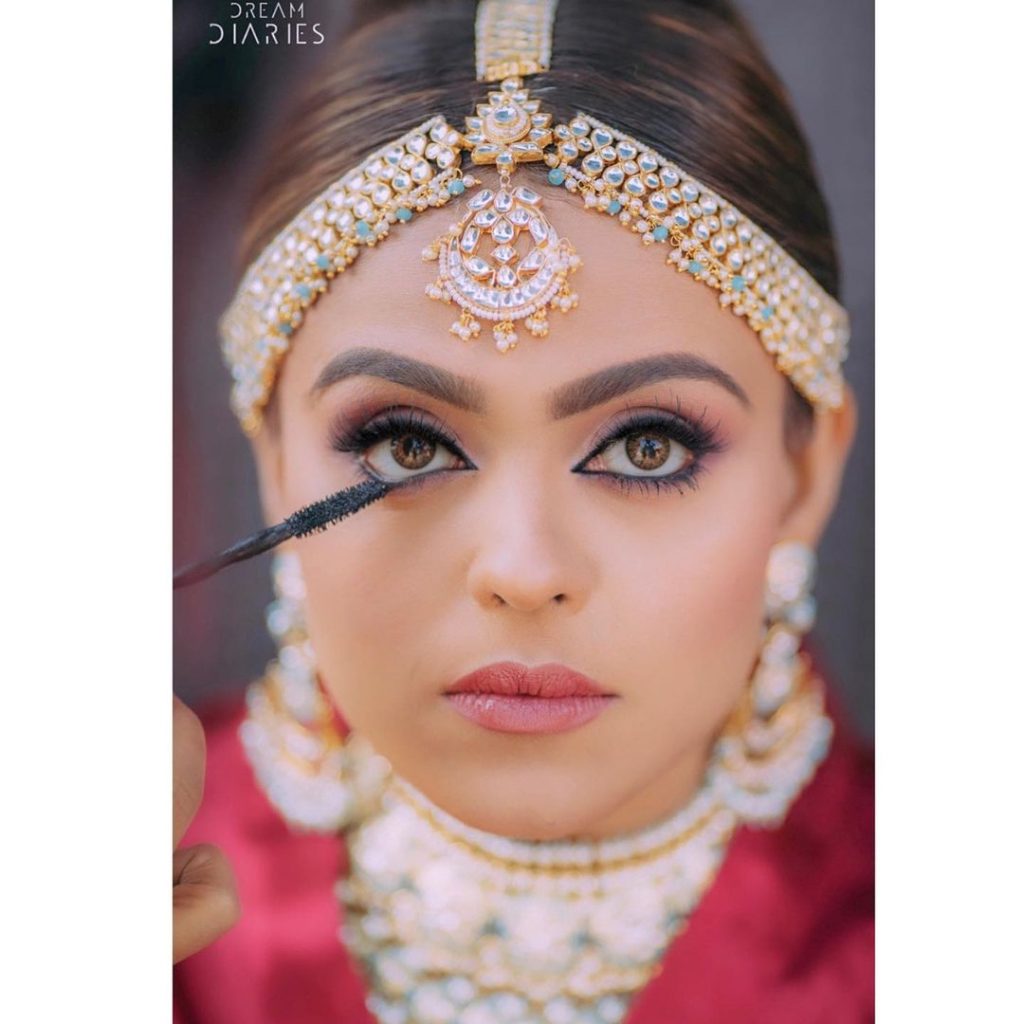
{"x": 505, "y": 284}
{"x": 415, "y": 172}
{"x": 802, "y": 327}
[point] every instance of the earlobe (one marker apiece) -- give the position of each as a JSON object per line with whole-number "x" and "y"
{"x": 821, "y": 467}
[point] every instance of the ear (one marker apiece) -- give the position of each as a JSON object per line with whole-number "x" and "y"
{"x": 267, "y": 451}
{"x": 820, "y": 472}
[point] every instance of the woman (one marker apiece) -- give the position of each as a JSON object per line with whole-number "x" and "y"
{"x": 545, "y": 698}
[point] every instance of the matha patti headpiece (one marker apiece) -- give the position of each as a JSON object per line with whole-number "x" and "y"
{"x": 485, "y": 270}
{"x": 503, "y": 284}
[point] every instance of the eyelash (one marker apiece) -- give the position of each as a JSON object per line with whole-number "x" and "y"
{"x": 393, "y": 422}
{"x": 695, "y": 434}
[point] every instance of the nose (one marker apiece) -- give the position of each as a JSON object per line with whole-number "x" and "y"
{"x": 529, "y": 554}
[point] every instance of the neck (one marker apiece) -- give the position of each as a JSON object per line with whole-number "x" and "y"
{"x": 676, "y": 803}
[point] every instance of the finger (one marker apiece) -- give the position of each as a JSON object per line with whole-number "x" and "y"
{"x": 189, "y": 767}
{"x": 205, "y": 898}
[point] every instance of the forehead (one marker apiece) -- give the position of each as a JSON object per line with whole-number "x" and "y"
{"x": 632, "y": 304}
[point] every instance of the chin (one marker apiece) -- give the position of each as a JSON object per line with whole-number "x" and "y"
{"x": 527, "y": 804}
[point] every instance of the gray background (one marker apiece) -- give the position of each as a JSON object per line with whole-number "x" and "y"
{"x": 227, "y": 102}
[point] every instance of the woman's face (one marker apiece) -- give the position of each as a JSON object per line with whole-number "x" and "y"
{"x": 604, "y": 499}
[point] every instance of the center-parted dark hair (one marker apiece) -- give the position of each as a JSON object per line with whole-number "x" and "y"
{"x": 684, "y": 76}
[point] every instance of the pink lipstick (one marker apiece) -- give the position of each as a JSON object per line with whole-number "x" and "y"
{"x": 510, "y": 697}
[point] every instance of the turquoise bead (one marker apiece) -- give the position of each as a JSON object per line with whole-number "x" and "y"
{"x": 362, "y": 228}
{"x": 323, "y": 261}
{"x": 767, "y": 312}
{"x": 285, "y": 328}
{"x": 695, "y": 266}
{"x": 660, "y": 233}
{"x": 739, "y": 283}
{"x": 614, "y": 206}
{"x": 556, "y": 175}
{"x": 303, "y": 291}
{"x": 456, "y": 187}
{"x": 403, "y": 213}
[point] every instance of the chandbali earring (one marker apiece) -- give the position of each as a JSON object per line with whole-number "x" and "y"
{"x": 318, "y": 778}
{"x": 779, "y": 732}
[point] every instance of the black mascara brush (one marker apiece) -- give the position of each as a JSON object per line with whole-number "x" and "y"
{"x": 311, "y": 519}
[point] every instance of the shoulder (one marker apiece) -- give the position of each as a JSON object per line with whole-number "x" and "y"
{"x": 283, "y": 960}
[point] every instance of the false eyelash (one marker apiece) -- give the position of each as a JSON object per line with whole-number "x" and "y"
{"x": 392, "y": 421}
{"x": 695, "y": 433}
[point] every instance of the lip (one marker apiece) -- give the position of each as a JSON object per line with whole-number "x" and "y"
{"x": 509, "y": 696}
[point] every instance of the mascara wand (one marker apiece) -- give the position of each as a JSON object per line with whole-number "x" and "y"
{"x": 311, "y": 519}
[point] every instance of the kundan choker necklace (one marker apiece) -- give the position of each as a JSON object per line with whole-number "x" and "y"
{"x": 450, "y": 923}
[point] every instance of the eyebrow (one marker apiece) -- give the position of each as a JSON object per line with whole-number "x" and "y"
{"x": 432, "y": 380}
{"x": 566, "y": 400}
{"x": 596, "y": 388}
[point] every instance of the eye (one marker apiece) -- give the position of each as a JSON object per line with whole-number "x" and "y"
{"x": 407, "y": 454}
{"x": 651, "y": 448}
{"x": 400, "y": 444}
{"x": 650, "y": 452}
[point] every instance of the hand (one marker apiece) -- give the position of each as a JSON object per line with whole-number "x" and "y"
{"x": 205, "y": 899}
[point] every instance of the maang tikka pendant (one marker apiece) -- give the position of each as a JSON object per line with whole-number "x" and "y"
{"x": 526, "y": 269}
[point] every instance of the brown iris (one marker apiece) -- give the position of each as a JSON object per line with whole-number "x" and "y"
{"x": 412, "y": 451}
{"x": 647, "y": 451}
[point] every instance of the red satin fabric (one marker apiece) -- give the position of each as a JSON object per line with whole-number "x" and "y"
{"x": 784, "y": 933}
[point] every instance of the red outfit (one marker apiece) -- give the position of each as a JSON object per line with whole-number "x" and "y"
{"x": 784, "y": 934}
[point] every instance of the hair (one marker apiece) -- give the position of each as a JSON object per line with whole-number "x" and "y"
{"x": 687, "y": 76}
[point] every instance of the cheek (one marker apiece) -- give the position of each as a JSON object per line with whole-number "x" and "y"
{"x": 358, "y": 590}
{"x": 696, "y": 593}
{"x": 699, "y": 601}
{"x": 371, "y": 619}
